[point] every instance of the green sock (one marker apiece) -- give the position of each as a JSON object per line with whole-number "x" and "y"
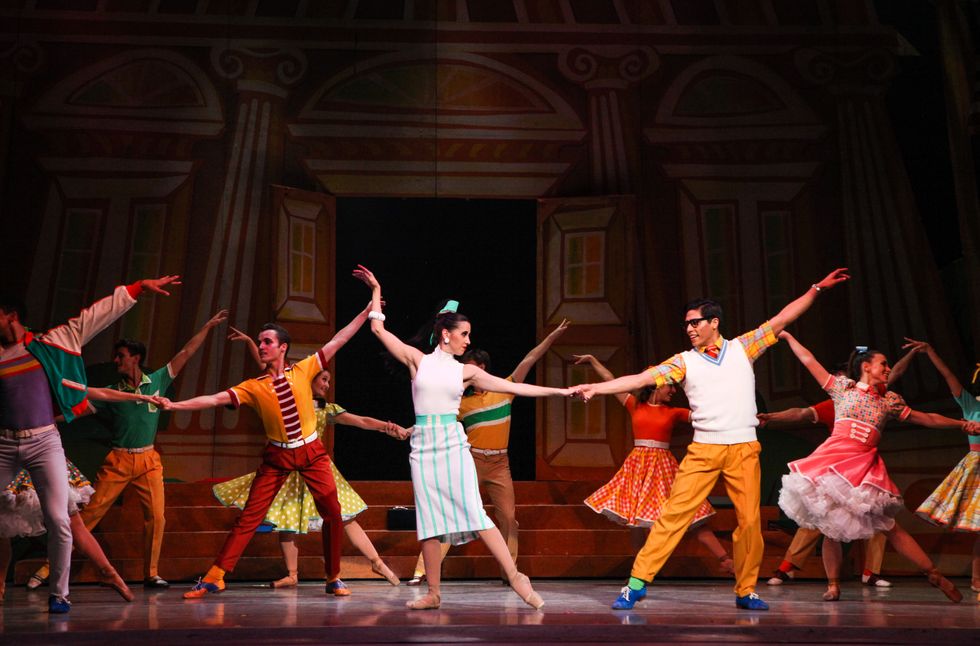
{"x": 636, "y": 584}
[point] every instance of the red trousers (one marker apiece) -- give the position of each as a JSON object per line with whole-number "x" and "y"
{"x": 312, "y": 462}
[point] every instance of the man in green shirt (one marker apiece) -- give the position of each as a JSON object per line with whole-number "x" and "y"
{"x": 133, "y": 460}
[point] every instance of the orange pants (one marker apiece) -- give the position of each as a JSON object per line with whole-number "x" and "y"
{"x": 145, "y": 473}
{"x": 738, "y": 465}
{"x": 805, "y": 541}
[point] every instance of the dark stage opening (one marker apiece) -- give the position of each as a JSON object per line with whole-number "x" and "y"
{"x": 479, "y": 252}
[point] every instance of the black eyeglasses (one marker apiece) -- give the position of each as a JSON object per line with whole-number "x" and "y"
{"x": 694, "y": 322}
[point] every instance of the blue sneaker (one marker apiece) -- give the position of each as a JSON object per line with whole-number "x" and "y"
{"x": 337, "y": 588}
{"x": 58, "y": 605}
{"x": 628, "y": 597}
{"x": 751, "y": 601}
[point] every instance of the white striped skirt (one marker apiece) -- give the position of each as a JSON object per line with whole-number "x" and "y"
{"x": 447, "y": 494}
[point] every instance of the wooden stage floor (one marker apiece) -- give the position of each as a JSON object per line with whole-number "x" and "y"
{"x": 576, "y": 611}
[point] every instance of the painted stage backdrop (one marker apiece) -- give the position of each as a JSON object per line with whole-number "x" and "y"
{"x": 673, "y": 148}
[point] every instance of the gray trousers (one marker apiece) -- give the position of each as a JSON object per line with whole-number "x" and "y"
{"x": 44, "y": 458}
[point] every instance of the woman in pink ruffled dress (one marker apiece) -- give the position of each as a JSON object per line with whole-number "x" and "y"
{"x": 843, "y": 488}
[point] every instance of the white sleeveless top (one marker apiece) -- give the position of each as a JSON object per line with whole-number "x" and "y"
{"x": 721, "y": 395}
{"x": 438, "y": 384}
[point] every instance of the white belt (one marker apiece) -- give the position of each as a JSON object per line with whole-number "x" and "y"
{"x": 652, "y": 444}
{"x": 312, "y": 437}
{"x": 488, "y": 451}
{"x": 25, "y": 433}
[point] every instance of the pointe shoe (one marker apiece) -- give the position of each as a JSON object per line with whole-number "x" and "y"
{"x": 937, "y": 580}
{"x": 288, "y": 581}
{"x": 430, "y": 601}
{"x": 832, "y": 593}
{"x": 39, "y": 578}
{"x": 111, "y": 579}
{"x": 532, "y": 598}
{"x": 416, "y": 581}
{"x": 380, "y": 567}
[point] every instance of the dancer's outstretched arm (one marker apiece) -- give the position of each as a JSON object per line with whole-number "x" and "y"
{"x": 935, "y": 420}
{"x": 482, "y": 380}
{"x": 524, "y": 367}
{"x": 372, "y": 424}
{"x": 795, "y": 309}
{"x": 806, "y": 358}
{"x": 601, "y": 370}
{"x": 201, "y": 403}
{"x": 955, "y": 387}
{"x": 404, "y": 353}
{"x": 788, "y": 416}
{"x": 345, "y": 334}
{"x": 184, "y": 354}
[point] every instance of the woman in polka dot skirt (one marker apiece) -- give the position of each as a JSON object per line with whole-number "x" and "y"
{"x": 293, "y": 510}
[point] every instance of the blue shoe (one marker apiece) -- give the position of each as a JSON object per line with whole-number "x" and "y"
{"x": 751, "y": 601}
{"x": 203, "y": 588}
{"x": 337, "y": 588}
{"x": 628, "y": 597}
{"x": 58, "y": 605}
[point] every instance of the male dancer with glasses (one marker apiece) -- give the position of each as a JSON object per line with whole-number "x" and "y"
{"x": 719, "y": 382}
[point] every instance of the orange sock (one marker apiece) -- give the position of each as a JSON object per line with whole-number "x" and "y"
{"x": 214, "y": 575}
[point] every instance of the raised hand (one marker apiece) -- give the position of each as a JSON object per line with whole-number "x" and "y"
{"x": 234, "y": 334}
{"x": 583, "y": 358}
{"x": 217, "y": 319}
{"x": 834, "y": 278}
{"x": 916, "y": 346}
{"x": 366, "y": 276}
{"x": 156, "y": 285}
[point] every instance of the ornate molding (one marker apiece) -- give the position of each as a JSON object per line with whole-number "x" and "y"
{"x": 608, "y": 67}
{"x": 856, "y": 72}
{"x": 259, "y": 67}
{"x": 26, "y": 57}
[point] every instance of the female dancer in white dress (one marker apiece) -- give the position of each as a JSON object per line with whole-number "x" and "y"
{"x": 448, "y": 507}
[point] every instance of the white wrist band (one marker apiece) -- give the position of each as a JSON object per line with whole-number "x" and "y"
{"x": 377, "y": 316}
{"x": 817, "y": 287}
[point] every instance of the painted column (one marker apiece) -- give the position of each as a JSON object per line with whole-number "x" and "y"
{"x": 607, "y": 74}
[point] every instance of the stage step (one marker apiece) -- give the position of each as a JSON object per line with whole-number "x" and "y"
{"x": 560, "y": 537}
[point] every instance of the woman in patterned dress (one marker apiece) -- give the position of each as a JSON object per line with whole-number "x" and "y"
{"x": 843, "y": 488}
{"x": 293, "y": 510}
{"x": 20, "y": 513}
{"x": 637, "y": 493}
{"x": 956, "y": 502}
{"x": 448, "y": 507}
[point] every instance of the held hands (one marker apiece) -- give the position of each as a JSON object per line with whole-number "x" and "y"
{"x": 160, "y": 402}
{"x": 585, "y": 392}
{"x": 394, "y": 430}
{"x": 834, "y": 278}
{"x": 970, "y": 428}
{"x": 763, "y": 418}
{"x": 156, "y": 285}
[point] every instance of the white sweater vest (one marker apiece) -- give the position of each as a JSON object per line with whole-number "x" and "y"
{"x": 721, "y": 395}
